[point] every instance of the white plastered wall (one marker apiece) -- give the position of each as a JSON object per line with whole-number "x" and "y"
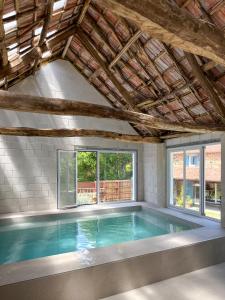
{"x": 155, "y": 174}
{"x": 28, "y": 166}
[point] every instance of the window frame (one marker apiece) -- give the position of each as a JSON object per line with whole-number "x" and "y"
{"x": 183, "y": 148}
{"x": 98, "y": 151}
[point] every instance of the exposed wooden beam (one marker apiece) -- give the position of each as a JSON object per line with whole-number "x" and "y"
{"x": 186, "y": 3}
{"x": 172, "y": 25}
{"x": 126, "y": 96}
{"x": 80, "y": 19}
{"x": 83, "y": 12}
{"x": 207, "y": 86}
{"x": 35, "y": 53}
{"x": 149, "y": 103}
{"x": 131, "y": 41}
{"x": 191, "y": 87}
{"x": 27, "y": 59}
{"x": 54, "y": 106}
{"x": 59, "y": 37}
{"x": 48, "y": 15}
{"x": 64, "y": 132}
{"x": 217, "y": 7}
{"x": 209, "y": 65}
{"x": 3, "y": 50}
{"x": 94, "y": 53}
{"x": 25, "y": 14}
{"x": 175, "y": 135}
{"x": 67, "y": 46}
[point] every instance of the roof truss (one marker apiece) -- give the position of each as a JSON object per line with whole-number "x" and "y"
{"x": 121, "y": 57}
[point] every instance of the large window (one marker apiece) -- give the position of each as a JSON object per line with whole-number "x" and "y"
{"x": 116, "y": 176}
{"x": 93, "y": 176}
{"x": 195, "y": 179}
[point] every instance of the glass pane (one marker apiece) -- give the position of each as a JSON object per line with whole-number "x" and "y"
{"x": 192, "y": 185}
{"x": 67, "y": 178}
{"x": 177, "y": 179}
{"x": 116, "y": 176}
{"x": 213, "y": 181}
{"x": 86, "y": 177}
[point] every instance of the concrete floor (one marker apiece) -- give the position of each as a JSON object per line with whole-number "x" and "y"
{"x": 207, "y": 284}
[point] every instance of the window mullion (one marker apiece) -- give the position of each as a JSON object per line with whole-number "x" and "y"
{"x": 202, "y": 181}
{"x": 184, "y": 176}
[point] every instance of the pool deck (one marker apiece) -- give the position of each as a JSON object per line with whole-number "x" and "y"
{"x": 207, "y": 284}
{"x": 168, "y": 255}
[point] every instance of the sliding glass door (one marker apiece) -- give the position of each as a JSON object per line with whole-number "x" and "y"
{"x": 94, "y": 176}
{"x": 192, "y": 179}
{"x": 177, "y": 178}
{"x": 86, "y": 177}
{"x": 116, "y": 176}
{"x": 195, "y": 179}
{"x": 66, "y": 178}
{"x": 213, "y": 181}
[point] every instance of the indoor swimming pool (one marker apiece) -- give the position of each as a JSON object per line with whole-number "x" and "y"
{"x": 37, "y": 237}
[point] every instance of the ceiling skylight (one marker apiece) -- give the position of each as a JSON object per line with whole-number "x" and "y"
{"x": 12, "y": 46}
{"x": 10, "y": 26}
{"x": 59, "y": 4}
{"x": 10, "y": 14}
{"x": 38, "y": 30}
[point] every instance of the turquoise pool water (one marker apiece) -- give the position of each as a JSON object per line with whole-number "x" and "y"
{"x": 38, "y": 238}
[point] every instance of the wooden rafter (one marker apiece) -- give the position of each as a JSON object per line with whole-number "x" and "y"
{"x": 83, "y": 12}
{"x": 27, "y": 59}
{"x": 26, "y": 13}
{"x": 54, "y": 106}
{"x": 199, "y": 74}
{"x": 67, "y": 46}
{"x": 35, "y": 53}
{"x": 61, "y": 36}
{"x": 94, "y": 53}
{"x": 149, "y": 103}
{"x": 122, "y": 64}
{"x": 64, "y": 132}
{"x": 189, "y": 82}
{"x": 132, "y": 40}
{"x": 79, "y": 21}
{"x": 173, "y": 95}
{"x": 149, "y": 71}
{"x": 48, "y": 15}
{"x": 172, "y": 25}
{"x": 186, "y": 3}
{"x": 220, "y": 4}
{"x": 107, "y": 97}
{"x": 209, "y": 65}
{"x": 3, "y": 50}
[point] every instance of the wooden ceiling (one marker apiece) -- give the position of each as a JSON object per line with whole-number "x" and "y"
{"x": 163, "y": 59}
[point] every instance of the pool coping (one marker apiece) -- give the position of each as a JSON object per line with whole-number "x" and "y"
{"x": 68, "y": 262}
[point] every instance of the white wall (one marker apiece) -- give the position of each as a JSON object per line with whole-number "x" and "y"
{"x": 28, "y": 168}
{"x": 154, "y": 174}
